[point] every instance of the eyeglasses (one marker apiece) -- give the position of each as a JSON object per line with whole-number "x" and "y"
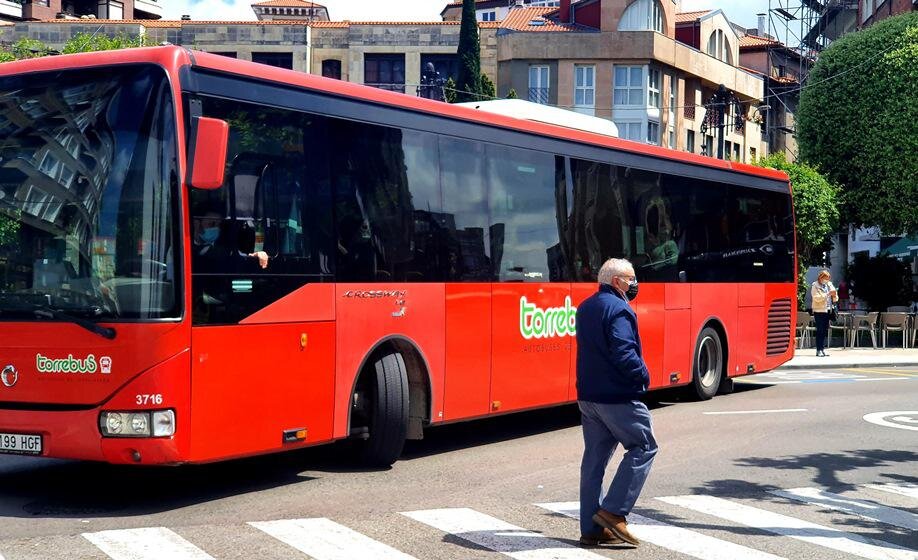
{"x": 628, "y": 278}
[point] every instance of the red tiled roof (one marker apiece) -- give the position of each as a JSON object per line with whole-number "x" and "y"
{"x": 753, "y": 41}
{"x": 290, "y": 4}
{"x": 685, "y": 17}
{"x": 171, "y": 23}
{"x": 522, "y": 19}
{"x": 326, "y": 24}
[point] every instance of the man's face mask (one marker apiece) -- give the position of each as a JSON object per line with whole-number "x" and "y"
{"x": 632, "y": 290}
{"x": 210, "y": 235}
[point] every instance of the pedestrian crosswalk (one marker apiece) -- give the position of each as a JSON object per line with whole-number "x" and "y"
{"x": 827, "y": 525}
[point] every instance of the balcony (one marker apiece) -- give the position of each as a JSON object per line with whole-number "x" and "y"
{"x": 10, "y": 9}
{"x": 151, "y": 9}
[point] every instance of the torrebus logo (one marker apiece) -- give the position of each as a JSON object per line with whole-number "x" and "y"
{"x": 546, "y": 323}
{"x": 66, "y": 365}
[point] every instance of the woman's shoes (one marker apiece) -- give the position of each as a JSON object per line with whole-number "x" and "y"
{"x": 821, "y": 354}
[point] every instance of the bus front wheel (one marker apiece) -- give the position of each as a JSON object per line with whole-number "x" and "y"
{"x": 708, "y": 368}
{"x": 382, "y": 402}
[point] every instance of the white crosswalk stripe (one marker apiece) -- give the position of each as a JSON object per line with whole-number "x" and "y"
{"x": 677, "y": 539}
{"x": 152, "y": 543}
{"x": 903, "y": 489}
{"x": 499, "y": 536}
{"x": 869, "y": 510}
{"x": 324, "y": 539}
{"x": 795, "y": 528}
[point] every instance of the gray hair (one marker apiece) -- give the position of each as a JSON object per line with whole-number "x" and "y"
{"x": 612, "y": 268}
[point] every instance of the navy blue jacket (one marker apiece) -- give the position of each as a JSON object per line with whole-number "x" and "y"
{"x": 610, "y": 368}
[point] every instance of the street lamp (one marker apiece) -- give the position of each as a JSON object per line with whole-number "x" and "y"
{"x": 431, "y": 83}
{"x": 715, "y": 113}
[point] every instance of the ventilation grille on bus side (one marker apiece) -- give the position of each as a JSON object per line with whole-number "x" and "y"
{"x": 779, "y": 327}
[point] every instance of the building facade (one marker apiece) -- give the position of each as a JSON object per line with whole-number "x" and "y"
{"x": 40, "y": 10}
{"x": 638, "y": 63}
{"x": 782, "y": 71}
{"x": 631, "y": 62}
{"x": 872, "y": 11}
{"x": 493, "y": 10}
{"x": 290, "y": 10}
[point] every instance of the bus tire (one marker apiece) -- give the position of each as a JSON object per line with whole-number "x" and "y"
{"x": 708, "y": 364}
{"x": 387, "y": 416}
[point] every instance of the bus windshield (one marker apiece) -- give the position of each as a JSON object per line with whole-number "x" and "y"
{"x": 88, "y": 195}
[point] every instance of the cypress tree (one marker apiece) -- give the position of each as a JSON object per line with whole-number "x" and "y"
{"x": 469, "y": 82}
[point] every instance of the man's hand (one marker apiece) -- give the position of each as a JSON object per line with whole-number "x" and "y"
{"x": 262, "y": 258}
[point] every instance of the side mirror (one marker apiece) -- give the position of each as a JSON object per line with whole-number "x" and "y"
{"x": 208, "y": 159}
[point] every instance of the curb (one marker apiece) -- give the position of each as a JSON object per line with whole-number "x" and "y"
{"x": 847, "y": 366}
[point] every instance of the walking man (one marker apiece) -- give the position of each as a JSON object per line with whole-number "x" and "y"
{"x": 611, "y": 377}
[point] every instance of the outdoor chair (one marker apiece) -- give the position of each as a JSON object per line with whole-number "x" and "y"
{"x": 803, "y": 328}
{"x": 845, "y": 324}
{"x": 896, "y": 322}
{"x": 866, "y": 323}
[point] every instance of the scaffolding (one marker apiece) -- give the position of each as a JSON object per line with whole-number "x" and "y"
{"x": 808, "y": 26}
{"x": 801, "y": 29}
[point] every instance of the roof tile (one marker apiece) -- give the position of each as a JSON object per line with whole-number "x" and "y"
{"x": 686, "y": 17}
{"x": 290, "y": 4}
{"x": 751, "y": 41}
{"x": 534, "y": 19}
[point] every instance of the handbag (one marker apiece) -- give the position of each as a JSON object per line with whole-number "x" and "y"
{"x": 833, "y": 315}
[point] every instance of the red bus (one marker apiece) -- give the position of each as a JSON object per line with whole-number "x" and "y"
{"x": 203, "y": 258}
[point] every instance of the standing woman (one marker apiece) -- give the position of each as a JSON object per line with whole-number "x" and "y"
{"x": 824, "y": 300}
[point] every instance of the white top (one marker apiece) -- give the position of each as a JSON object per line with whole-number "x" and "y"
{"x": 528, "y": 111}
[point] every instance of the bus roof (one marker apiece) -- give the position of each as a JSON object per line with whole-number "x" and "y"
{"x": 173, "y": 58}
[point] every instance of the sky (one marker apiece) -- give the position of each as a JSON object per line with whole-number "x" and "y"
{"x": 742, "y": 12}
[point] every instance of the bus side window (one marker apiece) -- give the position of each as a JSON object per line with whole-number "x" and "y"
{"x": 600, "y": 227}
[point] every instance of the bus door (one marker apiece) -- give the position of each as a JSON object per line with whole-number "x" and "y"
{"x": 263, "y": 302}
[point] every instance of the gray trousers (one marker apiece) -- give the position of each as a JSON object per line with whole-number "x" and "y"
{"x": 604, "y": 427}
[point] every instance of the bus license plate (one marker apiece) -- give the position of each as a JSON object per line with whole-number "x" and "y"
{"x": 24, "y": 444}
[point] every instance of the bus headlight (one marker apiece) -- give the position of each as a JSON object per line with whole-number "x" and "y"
{"x": 156, "y": 423}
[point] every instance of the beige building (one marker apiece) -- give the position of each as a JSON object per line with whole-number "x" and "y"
{"x": 290, "y": 10}
{"x": 638, "y": 63}
{"x": 622, "y": 60}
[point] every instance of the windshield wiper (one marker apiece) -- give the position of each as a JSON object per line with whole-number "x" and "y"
{"x": 51, "y": 313}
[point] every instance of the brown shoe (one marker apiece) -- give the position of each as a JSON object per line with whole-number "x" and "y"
{"x": 596, "y": 539}
{"x": 616, "y": 524}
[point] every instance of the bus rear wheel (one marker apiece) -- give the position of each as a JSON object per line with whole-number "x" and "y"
{"x": 381, "y": 405}
{"x": 709, "y": 364}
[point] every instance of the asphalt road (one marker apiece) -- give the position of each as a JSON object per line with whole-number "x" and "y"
{"x": 812, "y": 479}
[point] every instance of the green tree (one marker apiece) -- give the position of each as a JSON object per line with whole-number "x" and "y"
{"x": 449, "y": 90}
{"x": 881, "y": 281}
{"x": 512, "y": 94}
{"x": 469, "y": 80}
{"x": 85, "y": 42}
{"x": 856, "y": 122}
{"x": 24, "y": 48}
{"x": 488, "y": 91}
{"x": 816, "y": 213}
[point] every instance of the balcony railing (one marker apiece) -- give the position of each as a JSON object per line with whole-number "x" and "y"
{"x": 388, "y": 86}
{"x": 689, "y": 112}
{"x": 538, "y": 95}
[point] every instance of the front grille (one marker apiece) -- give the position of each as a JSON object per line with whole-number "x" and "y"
{"x": 779, "y": 327}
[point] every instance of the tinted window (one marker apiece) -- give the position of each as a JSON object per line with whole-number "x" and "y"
{"x": 269, "y": 204}
{"x": 675, "y": 229}
{"x": 387, "y": 203}
{"x": 524, "y": 231}
{"x": 465, "y": 210}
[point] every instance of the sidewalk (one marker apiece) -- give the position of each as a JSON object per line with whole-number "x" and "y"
{"x": 805, "y": 358}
